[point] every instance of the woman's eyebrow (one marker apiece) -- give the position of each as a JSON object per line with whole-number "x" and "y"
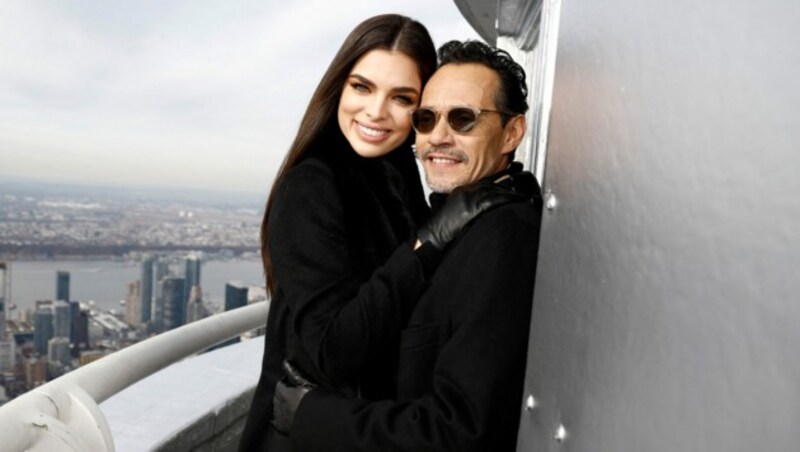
{"x": 362, "y": 79}
{"x": 398, "y": 89}
{"x": 406, "y": 89}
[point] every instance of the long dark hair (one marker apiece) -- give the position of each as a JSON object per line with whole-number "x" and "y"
{"x": 385, "y": 32}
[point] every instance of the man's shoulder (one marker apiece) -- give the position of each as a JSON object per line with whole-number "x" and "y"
{"x": 493, "y": 264}
{"x": 515, "y": 217}
{"x": 510, "y": 230}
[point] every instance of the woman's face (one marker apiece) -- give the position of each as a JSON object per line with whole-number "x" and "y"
{"x": 381, "y": 90}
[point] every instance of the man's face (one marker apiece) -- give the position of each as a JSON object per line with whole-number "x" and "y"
{"x": 450, "y": 158}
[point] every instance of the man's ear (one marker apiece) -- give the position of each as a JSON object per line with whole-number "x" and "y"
{"x": 513, "y": 133}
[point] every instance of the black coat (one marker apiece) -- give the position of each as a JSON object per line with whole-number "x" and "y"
{"x": 335, "y": 219}
{"x": 462, "y": 356}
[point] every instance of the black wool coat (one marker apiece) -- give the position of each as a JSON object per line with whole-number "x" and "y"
{"x": 462, "y": 355}
{"x": 346, "y": 277}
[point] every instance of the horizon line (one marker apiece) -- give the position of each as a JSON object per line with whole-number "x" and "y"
{"x": 11, "y": 181}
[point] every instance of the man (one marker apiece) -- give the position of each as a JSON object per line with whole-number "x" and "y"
{"x": 462, "y": 356}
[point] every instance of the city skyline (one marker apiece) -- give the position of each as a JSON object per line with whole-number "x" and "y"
{"x": 200, "y": 95}
{"x": 52, "y": 336}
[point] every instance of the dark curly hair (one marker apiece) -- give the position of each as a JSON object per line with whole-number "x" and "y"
{"x": 513, "y": 93}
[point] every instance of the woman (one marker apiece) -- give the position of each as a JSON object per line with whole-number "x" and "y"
{"x": 338, "y": 232}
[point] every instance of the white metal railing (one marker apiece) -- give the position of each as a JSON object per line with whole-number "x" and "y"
{"x": 63, "y": 415}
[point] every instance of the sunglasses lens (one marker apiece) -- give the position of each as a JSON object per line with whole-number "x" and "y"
{"x": 461, "y": 119}
{"x": 423, "y": 120}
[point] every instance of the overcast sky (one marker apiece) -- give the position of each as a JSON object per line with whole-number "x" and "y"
{"x": 182, "y": 93}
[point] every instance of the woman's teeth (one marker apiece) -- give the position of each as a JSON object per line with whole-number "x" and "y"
{"x": 372, "y": 132}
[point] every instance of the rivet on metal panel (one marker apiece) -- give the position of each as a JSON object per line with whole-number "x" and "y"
{"x": 561, "y": 434}
{"x": 550, "y": 200}
{"x": 530, "y": 403}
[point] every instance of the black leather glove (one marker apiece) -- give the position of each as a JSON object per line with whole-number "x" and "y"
{"x": 464, "y": 204}
{"x": 289, "y": 392}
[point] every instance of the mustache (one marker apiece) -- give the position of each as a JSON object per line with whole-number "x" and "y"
{"x": 446, "y": 151}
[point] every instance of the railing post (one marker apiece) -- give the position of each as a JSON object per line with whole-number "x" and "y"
{"x": 55, "y": 418}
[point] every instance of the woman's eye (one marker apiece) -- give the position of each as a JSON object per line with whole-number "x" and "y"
{"x": 360, "y": 87}
{"x": 404, "y": 100}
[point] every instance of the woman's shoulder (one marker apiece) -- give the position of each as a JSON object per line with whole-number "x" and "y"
{"x": 311, "y": 168}
{"x": 307, "y": 177}
{"x": 307, "y": 192}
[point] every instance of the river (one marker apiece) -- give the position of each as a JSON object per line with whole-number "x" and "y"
{"x": 105, "y": 281}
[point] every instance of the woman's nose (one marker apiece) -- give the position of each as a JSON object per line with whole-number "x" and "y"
{"x": 376, "y": 109}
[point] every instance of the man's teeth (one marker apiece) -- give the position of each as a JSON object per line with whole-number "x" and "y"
{"x": 372, "y": 132}
{"x": 441, "y": 160}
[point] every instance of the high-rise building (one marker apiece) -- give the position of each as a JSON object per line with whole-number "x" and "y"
{"x": 62, "y": 285}
{"x": 192, "y": 274}
{"x": 133, "y": 312}
{"x": 162, "y": 271}
{"x": 74, "y": 313}
{"x": 157, "y": 318}
{"x": 7, "y": 352}
{"x": 7, "y": 355}
{"x": 82, "y": 331}
{"x": 62, "y": 325}
{"x": 172, "y": 290}
{"x": 146, "y": 288}
{"x": 58, "y": 351}
{"x": 36, "y": 371}
{"x": 5, "y": 289}
{"x": 235, "y": 295}
{"x": 195, "y": 310}
{"x": 157, "y": 322}
{"x": 43, "y": 329}
{"x": 91, "y": 356}
{"x": 256, "y": 294}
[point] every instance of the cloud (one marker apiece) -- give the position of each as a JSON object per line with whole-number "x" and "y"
{"x": 185, "y": 93}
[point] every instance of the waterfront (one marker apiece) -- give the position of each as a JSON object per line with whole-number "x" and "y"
{"x": 105, "y": 281}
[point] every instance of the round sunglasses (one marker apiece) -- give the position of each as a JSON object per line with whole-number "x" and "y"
{"x": 460, "y": 119}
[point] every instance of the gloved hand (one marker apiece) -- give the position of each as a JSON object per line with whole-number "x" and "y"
{"x": 464, "y": 204}
{"x": 289, "y": 392}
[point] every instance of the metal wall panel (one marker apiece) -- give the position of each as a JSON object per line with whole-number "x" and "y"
{"x": 667, "y": 306}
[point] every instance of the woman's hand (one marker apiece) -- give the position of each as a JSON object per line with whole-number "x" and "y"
{"x": 289, "y": 392}
{"x": 464, "y": 204}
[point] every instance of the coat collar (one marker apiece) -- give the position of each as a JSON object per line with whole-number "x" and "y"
{"x": 512, "y": 177}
